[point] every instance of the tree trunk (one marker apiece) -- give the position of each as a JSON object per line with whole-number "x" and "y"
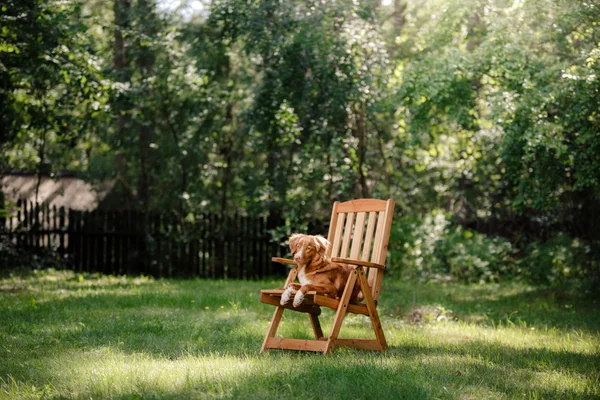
{"x": 398, "y": 18}
{"x": 145, "y": 59}
{"x": 121, "y": 10}
{"x": 360, "y": 132}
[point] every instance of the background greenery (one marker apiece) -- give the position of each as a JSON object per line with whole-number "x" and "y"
{"x": 479, "y": 117}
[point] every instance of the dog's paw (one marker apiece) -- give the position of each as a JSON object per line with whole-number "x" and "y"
{"x": 285, "y": 296}
{"x": 298, "y": 299}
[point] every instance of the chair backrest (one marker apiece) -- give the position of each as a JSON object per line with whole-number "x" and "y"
{"x": 347, "y": 233}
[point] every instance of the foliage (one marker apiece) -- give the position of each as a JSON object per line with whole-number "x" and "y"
{"x": 558, "y": 261}
{"x": 51, "y": 86}
{"x": 434, "y": 248}
{"x": 483, "y": 109}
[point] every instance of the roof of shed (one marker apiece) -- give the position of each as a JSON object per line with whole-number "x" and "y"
{"x": 64, "y": 191}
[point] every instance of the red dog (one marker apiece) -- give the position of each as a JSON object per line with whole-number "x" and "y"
{"x": 316, "y": 272}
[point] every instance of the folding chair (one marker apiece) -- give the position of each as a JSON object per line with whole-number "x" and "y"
{"x": 362, "y": 227}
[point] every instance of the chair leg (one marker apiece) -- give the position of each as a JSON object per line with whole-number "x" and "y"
{"x": 373, "y": 315}
{"x": 316, "y": 325}
{"x": 272, "y": 327}
{"x": 341, "y": 312}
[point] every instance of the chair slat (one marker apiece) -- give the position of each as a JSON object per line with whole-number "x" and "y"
{"x": 362, "y": 205}
{"x": 347, "y": 235}
{"x": 377, "y": 244}
{"x": 337, "y": 239}
{"x": 332, "y": 225}
{"x": 383, "y": 247}
{"x": 366, "y": 253}
{"x": 357, "y": 238}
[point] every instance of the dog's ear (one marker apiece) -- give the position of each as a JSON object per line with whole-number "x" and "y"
{"x": 294, "y": 242}
{"x": 322, "y": 245}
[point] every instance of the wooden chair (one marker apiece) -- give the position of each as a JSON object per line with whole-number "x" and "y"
{"x": 363, "y": 228}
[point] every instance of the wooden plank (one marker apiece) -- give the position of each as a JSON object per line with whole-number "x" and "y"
{"x": 337, "y": 238}
{"x": 253, "y": 232}
{"x": 160, "y": 239}
{"x": 273, "y": 292}
{"x": 61, "y": 223}
{"x": 272, "y": 330}
{"x": 332, "y": 226}
{"x": 248, "y": 274}
{"x": 32, "y": 226}
{"x": 100, "y": 251}
{"x": 274, "y": 301}
{"x": 18, "y": 223}
{"x": 362, "y": 344}
{"x": 361, "y": 205}
{"x": 316, "y": 325}
{"x": 226, "y": 224}
{"x": 203, "y": 230}
{"x": 283, "y": 261}
{"x": 259, "y": 244}
{"x": 35, "y": 225}
{"x": 106, "y": 244}
{"x": 296, "y": 344}
{"x": 373, "y": 315}
{"x": 378, "y": 241}
{"x": 376, "y": 285}
{"x": 47, "y": 226}
{"x": 239, "y": 237}
{"x": 39, "y": 221}
{"x": 87, "y": 239}
{"x": 366, "y": 253}
{"x": 358, "y": 262}
{"x": 291, "y": 276}
{"x": 341, "y": 312}
{"x": 113, "y": 243}
{"x": 95, "y": 253}
{"x": 119, "y": 216}
{"x": 334, "y": 303}
{"x": 357, "y": 237}
{"x": 129, "y": 249}
{"x": 90, "y": 241}
{"x": 213, "y": 246}
{"x": 54, "y": 238}
{"x": 377, "y": 245}
{"x": 196, "y": 250}
{"x": 266, "y": 248}
{"x": 347, "y": 235}
{"x": 77, "y": 242}
{"x": 25, "y": 224}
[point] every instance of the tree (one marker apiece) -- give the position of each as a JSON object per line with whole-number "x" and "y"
{"x": 51, "y": 85}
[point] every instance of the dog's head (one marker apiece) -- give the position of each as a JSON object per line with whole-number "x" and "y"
{"x": 307, "y": 248}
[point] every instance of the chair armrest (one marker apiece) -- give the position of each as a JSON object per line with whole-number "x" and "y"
{"x": 283, "y": 261}
{"x": 358, "y": 262}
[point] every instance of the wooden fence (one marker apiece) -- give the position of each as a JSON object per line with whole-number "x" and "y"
{"x": 129, "y": 242}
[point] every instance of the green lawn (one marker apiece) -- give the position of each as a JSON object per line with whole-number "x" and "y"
{"x": 63, "y": 335}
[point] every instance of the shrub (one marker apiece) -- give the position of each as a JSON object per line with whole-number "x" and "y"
{"x": 434, "y": 248}
{"x": 557, "y": 261}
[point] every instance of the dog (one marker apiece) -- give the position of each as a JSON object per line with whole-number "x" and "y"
{"x": 316, "y": 272}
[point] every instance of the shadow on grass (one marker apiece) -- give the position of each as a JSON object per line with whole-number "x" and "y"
{"x": 188, "y": 325}
{"x": 535, "y": 359}
{"x": 495, "y": 304}
{"x": 284, "y": 374}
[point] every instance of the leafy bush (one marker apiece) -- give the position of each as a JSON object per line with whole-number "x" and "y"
{"x": 474, "y": 257}
{"x": 557, "y": 261}
{"x": 433, "y": 248}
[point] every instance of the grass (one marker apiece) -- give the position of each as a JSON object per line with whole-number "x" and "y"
{"x": 65, "y": 335}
